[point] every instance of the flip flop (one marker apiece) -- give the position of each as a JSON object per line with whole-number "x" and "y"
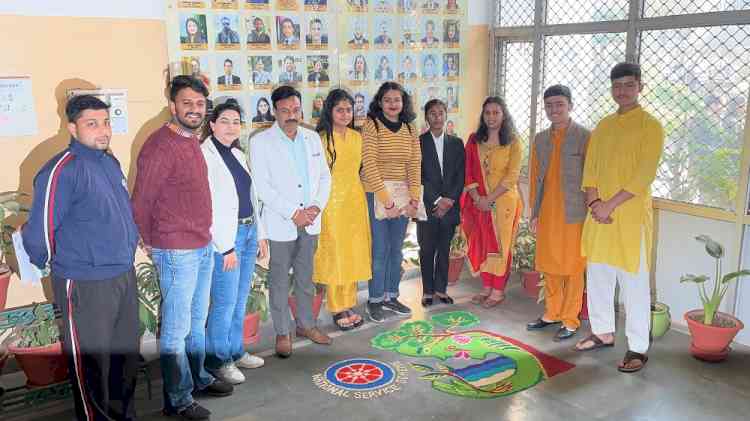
{"x": 629, "y": 357}
{"x": 359, "y": 322}
{"x": 478, "y": 299}
{"x": 492, "y": 302}
{"x": 342, "y": 325}
{"x": 598, "y": 343}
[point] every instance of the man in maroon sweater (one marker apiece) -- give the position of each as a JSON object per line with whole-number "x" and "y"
{"x": 172, "y": 208}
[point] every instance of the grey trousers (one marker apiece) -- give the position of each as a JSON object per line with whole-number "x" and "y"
{"x": 298, "y": 255}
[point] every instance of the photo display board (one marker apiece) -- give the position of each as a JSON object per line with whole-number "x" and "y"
{"x": 243, "y": 49}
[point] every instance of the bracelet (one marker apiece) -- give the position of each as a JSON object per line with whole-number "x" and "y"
{"x": 393, "y": 205}
{"x": 593, "y": 201}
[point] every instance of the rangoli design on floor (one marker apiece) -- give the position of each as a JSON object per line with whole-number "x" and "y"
{"x": 478, "y": 364}
{"x": 362, "y": 378}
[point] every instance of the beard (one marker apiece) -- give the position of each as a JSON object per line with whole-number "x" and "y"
{"x": 188, "y": 124}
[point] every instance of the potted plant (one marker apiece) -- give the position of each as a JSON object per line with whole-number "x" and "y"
{"x": 38, "y": 350}
{"x": 9, "y": 205}
{"x": 661, "y": 320}
{"x": 456, "y": 257}
{"x": 523, "y": 259}
{"x": 711, "y": 330}
{"x": 317, "y": 298}
{"x": 256, "y": 309}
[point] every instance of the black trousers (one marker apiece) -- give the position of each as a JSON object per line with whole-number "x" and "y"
{"x": 100, "y": 341}
{"x": 434, "y": 238}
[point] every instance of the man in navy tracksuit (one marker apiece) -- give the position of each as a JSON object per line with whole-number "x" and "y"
{"x": 81, "y": 226}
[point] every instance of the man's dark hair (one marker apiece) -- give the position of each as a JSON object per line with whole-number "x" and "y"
{"x": 283, "y": 92}
{"x": 316, "y": 20}
{"x": 258, "y": 19}
{"x": 558, "y": 90}
{"x": 229, "y": 61}
{"x": 434, "y": 103}
{"x": 79, "y": 104}
{"x": 185, "y": 81}
{"x": 625, "y": 69}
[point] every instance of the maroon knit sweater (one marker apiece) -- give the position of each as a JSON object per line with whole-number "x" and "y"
{"x": 171, "y": 199}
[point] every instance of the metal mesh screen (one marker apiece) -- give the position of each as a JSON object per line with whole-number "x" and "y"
{"x": 573, "y": 11}
{"x": 697, "y": 81}
{"x": 652, "y": 8}
{"x": 517, "y": 87}
{"x": 516, "y": 13}
{"x": 582, "y": 62}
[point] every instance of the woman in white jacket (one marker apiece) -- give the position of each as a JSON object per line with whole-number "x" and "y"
{"x": 238, "y": 237}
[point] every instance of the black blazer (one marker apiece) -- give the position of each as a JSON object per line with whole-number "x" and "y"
{"x": 450, "y": 183}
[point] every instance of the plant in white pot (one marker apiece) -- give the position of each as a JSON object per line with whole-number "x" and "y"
{"x": 711, "y": 330}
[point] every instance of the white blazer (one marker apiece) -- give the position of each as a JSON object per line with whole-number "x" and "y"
{"x": 278, "y": 185}
{"x": 225, "y": 203}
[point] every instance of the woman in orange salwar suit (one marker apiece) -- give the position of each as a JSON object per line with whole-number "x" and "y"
{"x": 491, "y": 207}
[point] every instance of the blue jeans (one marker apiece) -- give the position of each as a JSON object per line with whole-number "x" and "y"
{"x": 185, "y": 282}
{"x": 229, "y": 293}
{"x": 387, "y": 240}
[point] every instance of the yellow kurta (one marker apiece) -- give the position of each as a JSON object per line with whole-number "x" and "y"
{"x": 502, "y": 165}
{"x": 343, "y": 254}
{"x": 558, "y": 247}
{"x": 623, "y": 154}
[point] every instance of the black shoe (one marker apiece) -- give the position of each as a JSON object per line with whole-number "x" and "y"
{"x": 395, "y": 306}
{"x": 539, "y": 324}
{"x": 191, "y": 412}
{"x": 375, "y": 312}
{"x": 445, "y": 299}
{"x": 218, "y": 389}
{"x": 426, "y": 301}
{"x": 564, "y": 333}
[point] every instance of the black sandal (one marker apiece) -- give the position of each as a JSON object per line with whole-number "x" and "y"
{"x": 358, "y": 323}
{"x": 342, "y": 325}
{"x": 629, "y": 357}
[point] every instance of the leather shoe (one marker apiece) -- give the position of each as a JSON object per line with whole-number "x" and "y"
{"x": 283, "y": 346}
{"x": 445, "y": 299}
{"x": 564, "y": 333}
{"x": 539, "y": 324}
{"x": 426, "y": 301}
{"x": 315, "y": 335}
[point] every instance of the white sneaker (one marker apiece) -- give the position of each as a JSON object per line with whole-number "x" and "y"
{"x": 229, "y": 373}
{"x": 249, "y": 361}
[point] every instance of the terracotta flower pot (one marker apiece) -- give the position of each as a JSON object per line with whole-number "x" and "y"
{"x": 4, "y": 283}
{"x": 455, "y": 266}
{"x": 317, "y": 303}
{"x": 584, "y": 314}
{"x": 250, "y": 328}
{"x": 711, "y": 343}
{"x": 530, "y": 282}
{"x": 42, "y": 365}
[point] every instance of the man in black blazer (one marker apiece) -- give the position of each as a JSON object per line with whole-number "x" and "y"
{"x": 443, "y": 180}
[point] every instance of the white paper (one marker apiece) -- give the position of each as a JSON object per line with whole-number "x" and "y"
{"x": 117, "y": 99}
{"x": 17, "y": 113}
{"x": 399, "y": 191}
{"x": 28, "y": 273}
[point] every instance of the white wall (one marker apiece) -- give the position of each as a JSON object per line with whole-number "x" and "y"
{"x": 481, "y": 12}
{"x": 679, "y": 254}
{"x": 133, "y": 9}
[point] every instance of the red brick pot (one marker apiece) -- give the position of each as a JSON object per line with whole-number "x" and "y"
{"x": 250, "y": 328}
{"x": 455, "y": 266}
{"x": 42, "y": 365}
{"x": 584, "y": 314}
{"x": 530, "y": 282}
{"x": 4, "y": 283}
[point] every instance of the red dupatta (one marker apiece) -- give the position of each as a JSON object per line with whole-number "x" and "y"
{"x": 477, "y": 224}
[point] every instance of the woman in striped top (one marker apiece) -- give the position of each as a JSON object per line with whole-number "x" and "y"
{"x": 390, "y": 155}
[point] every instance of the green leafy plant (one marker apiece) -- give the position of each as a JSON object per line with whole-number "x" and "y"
{"x": 43, "y": 331}
{"x": 524, "y": 249}
{"x": 712, "y": 302}
{"x": 458, "y": 245}
{"x": 257, "y": 301}
{"x": 149, "y": 297}
{"x": 9, "y": 206}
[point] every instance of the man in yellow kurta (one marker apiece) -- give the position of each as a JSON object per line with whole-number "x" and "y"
{"x": 558, "y": 209}
{"x": 621, "y": 164}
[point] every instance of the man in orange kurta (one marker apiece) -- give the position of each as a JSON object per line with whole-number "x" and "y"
{"x": 558, "y": 211}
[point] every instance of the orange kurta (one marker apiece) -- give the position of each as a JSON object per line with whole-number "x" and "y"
{"x": 558, "y": 248}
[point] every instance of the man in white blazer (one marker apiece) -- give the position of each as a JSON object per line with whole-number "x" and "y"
{"x": 293, "y": 182}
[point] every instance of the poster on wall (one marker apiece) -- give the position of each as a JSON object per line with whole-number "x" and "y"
{"x": 246, "y": 48}
{"x": 17, "y": 112}
{"x": 117, "y": 99}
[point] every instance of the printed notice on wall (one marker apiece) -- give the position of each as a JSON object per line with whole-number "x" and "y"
{"x": 117, "y": 99}
{"x": 17, "y": 114}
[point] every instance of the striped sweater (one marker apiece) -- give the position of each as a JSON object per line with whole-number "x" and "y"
{"x": 388, "y": 156}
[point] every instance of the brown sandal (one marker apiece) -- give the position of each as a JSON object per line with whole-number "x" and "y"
{"x": 478, "y": 299}
{"x": 597, "y": 343}
{"x": 492, "y": 302}
{"x": 630, "y": 356}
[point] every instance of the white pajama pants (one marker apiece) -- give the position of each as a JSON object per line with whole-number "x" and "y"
{"x": 601, "y": 280}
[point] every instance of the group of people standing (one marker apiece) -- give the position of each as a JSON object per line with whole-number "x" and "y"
{"x": 330, "y": 205}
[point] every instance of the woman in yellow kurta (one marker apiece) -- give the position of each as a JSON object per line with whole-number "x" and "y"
{"x": 343, "y": 255}
{"x": 491, "y": 209}
{"x": 558, "y": 209}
